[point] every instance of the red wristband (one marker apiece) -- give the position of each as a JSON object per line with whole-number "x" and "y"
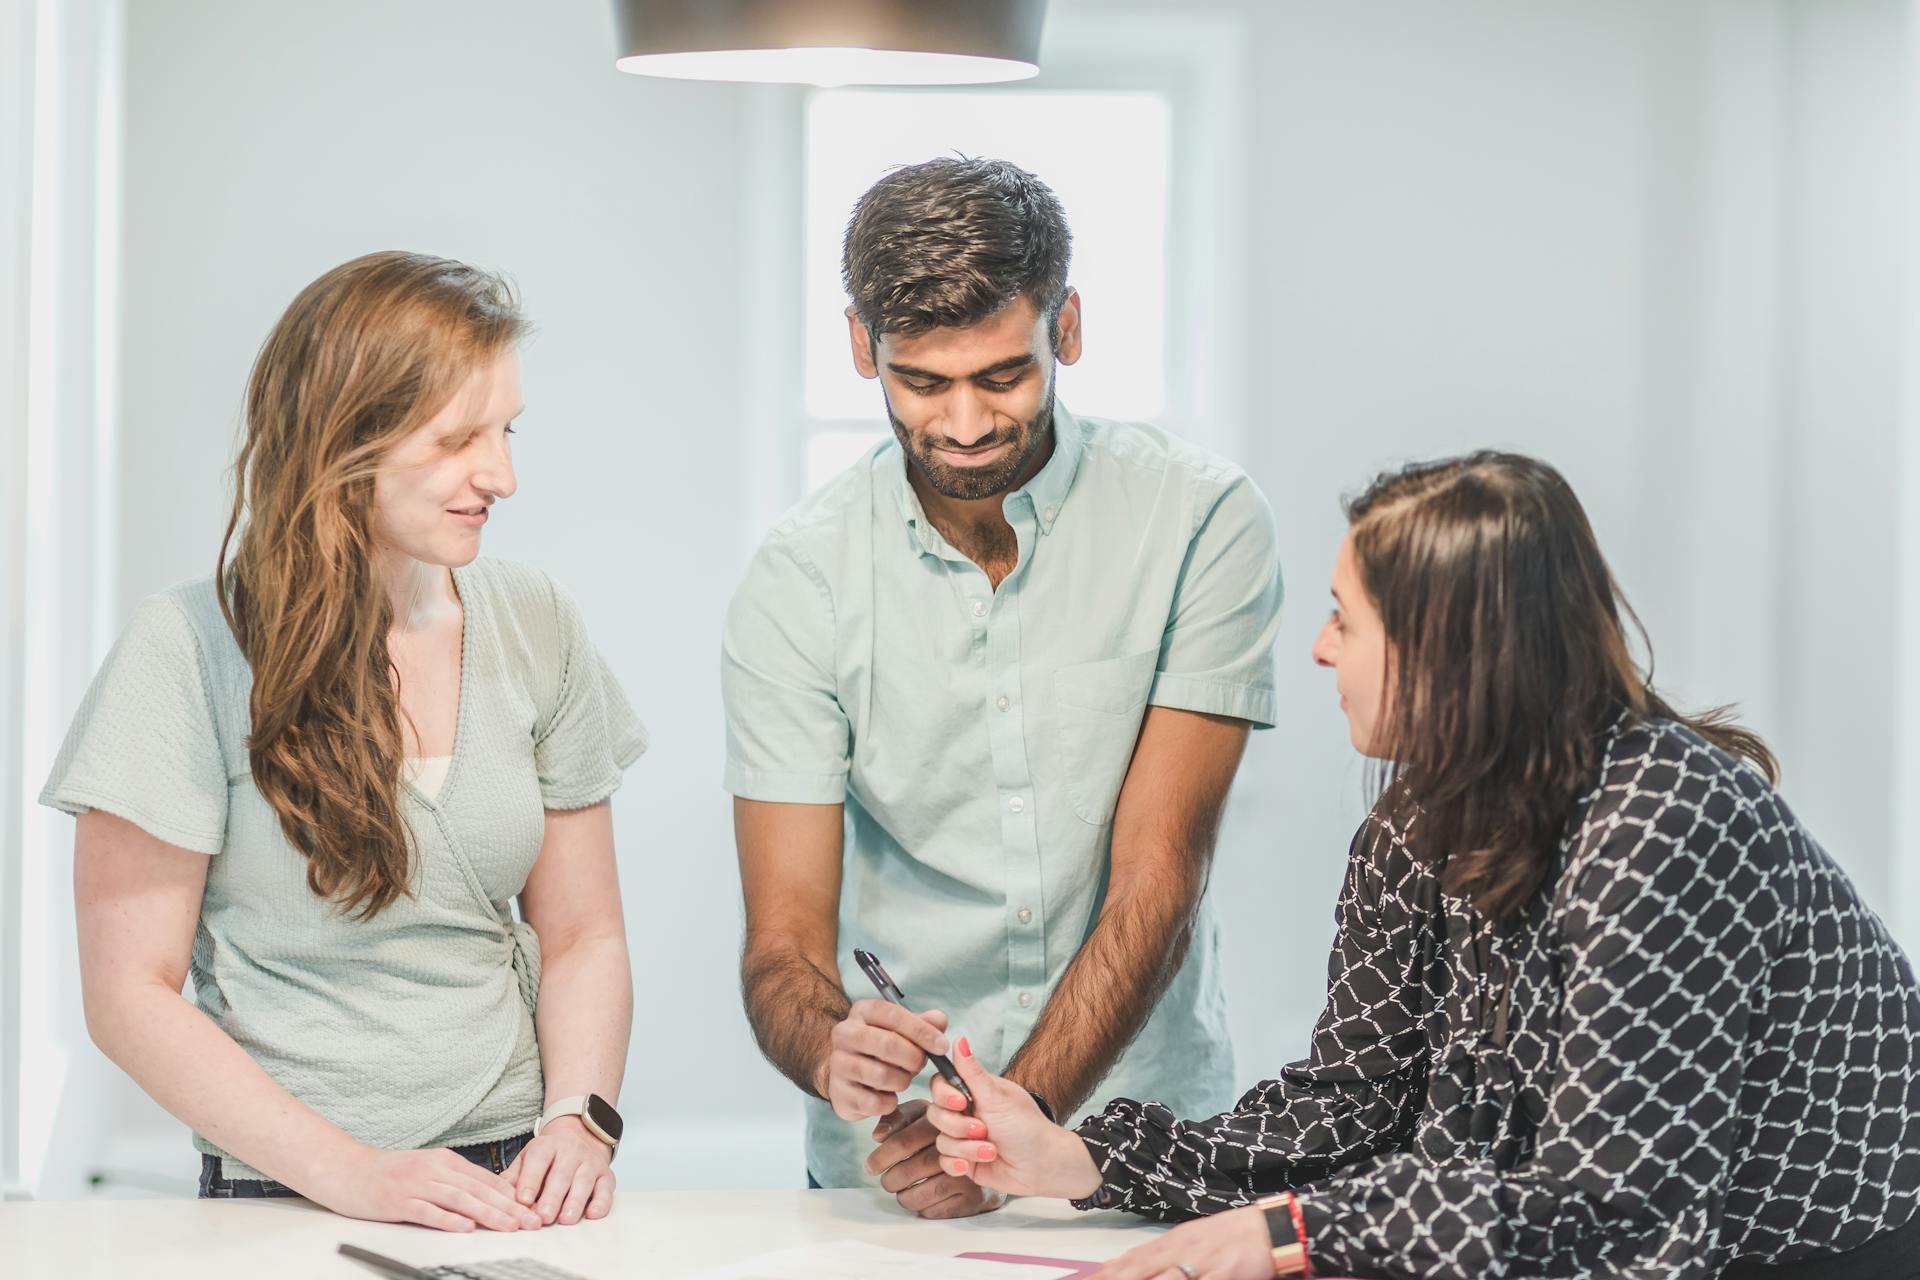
{"x": 1300, "y": 1234}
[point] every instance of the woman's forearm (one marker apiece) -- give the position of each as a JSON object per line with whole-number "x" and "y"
{"x": 585, "y": 1017}
{"x": 204, "y": 1079}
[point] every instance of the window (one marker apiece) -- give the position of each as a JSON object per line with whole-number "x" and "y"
{"x": 57, "y": 567}
{"x": 1105, "y": 153}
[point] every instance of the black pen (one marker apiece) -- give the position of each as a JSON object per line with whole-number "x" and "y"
{"x": 870, "y": 965}
{"x": 392, "y": 1268}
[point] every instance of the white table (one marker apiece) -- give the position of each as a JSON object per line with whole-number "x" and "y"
{"x": 648, "y": 1236}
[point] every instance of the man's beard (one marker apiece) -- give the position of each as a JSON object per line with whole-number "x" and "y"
{"x": 970, "y": 483}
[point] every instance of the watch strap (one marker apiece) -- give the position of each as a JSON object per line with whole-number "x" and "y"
{"x": 575, "y": 1106}
{"x": 1289, "y": 1250}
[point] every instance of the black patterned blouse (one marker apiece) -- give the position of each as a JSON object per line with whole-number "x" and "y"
{"x": 1695, "y": 1045}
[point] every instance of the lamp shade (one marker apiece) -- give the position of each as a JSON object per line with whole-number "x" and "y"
{"x": 832, "y": 42}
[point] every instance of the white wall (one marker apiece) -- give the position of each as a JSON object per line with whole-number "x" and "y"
{"x": 16, "y": 152}
{"x": 1661, "y": 246}
{"x": 1659, "y": 243}
{"x": 1450, "y": 251}
{"x": 1849, "y": 227}
{"x": 1907, "y": 586}
{"x": 58, "y": 548}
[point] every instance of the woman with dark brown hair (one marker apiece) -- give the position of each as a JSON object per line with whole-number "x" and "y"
{"x": 316, "y": 781}
{"x": 1598, "y": 1005}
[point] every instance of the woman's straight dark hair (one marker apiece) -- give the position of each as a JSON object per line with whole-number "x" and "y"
{"x": 1507, "y": 664}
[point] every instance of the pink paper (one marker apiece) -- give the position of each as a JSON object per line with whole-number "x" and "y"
{"x": 1079, "y": 1271}
{"x": 1073, "y": 1268}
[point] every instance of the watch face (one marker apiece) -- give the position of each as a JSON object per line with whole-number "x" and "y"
{"x": 601, "y": 1112}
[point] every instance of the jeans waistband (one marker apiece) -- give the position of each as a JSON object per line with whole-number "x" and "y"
{"x": 214, "y": 1185}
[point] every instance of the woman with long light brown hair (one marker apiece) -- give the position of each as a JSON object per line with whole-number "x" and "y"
{"x": 1598, "y": 1005}
{"x": 316, "y": 782}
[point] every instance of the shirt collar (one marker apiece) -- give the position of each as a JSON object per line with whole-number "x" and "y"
{"x": 1046, "y": 493}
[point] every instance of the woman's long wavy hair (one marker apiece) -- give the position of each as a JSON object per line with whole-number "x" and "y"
{"x": 1507, "y": 664}
{"x": 366, "y": 354}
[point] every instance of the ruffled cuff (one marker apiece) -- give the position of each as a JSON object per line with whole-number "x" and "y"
{"x": 1104, "y": 1134}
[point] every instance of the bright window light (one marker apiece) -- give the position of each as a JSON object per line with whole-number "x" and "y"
{"x": 1104, "y": 154}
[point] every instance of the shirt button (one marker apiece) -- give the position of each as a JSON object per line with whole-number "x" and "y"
{"x": 1024, "y": 915}
{"x": 1002, "y": 702}
{"x": 1017, "y": 804}
{"x": 1026, "y": 999}
{"x": 979, "y": 608}
{"x": 1047, "y": 515}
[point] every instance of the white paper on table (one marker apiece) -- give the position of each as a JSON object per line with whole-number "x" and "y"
{"x": 858, "y": 1260}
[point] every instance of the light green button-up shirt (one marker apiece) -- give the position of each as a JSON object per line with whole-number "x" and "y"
{"x": 979, "y": 737}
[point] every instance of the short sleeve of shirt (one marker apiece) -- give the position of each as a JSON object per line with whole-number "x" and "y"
{"x": 788, "y": 738}
{"x": 144, "y": 744}
{"x": 1216, "y": 656}
{"x": 591, "y": 735}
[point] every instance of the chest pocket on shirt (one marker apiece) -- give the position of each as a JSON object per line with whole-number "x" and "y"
{"x": 1099, "y": 706}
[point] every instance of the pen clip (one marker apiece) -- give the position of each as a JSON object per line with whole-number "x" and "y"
{"x": 876, "y": 974}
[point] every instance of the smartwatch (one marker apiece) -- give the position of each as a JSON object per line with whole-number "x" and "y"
{"x": 602, "y": 1121}
{"x": 1286, "y": 1234}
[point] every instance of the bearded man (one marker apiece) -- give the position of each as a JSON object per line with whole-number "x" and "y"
{"x": 986, "y": 692}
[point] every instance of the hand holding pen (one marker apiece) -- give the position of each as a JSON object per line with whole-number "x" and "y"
{"x": 905, "y": 1160}
{"x": 996, "y": 1135}
{"x": 875, "y": 1053}
{"x": 891, "y": 993}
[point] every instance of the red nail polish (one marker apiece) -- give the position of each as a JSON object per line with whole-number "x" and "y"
{"x": 965, "y": 1052}
{"x": 976, "y": 1130}
{"x": 985, "y": 1151}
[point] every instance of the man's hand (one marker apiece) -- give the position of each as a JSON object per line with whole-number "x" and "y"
{"x": 564, "y": 1174}
{"x": 875, "y": 1052}
{"x": 909, "y": 1167}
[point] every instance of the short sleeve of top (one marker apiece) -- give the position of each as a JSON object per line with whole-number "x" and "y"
{"x": 788, "y": 738}
{"x": 584, "y": 744}
{"x": 145, "y": 743}
{"x": 1216, "y": 656}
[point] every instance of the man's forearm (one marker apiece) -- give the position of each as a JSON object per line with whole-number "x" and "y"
{"x": 585, "y": 1018}
{"x": 1107, "y": 992}
{"x": 1164, "y": 830}
{"x": 792, "y": 1005}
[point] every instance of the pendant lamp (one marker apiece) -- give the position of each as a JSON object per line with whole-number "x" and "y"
{"x": 832, "y": 42}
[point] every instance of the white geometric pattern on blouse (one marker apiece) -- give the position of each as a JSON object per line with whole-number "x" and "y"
{"x": 1713, "y": 1052}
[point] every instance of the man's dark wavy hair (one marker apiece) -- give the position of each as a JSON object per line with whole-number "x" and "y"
{"x": 952, "y": 242}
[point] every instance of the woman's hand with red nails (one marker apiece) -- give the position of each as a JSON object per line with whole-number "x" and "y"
{"x": 1004, "y": 1142}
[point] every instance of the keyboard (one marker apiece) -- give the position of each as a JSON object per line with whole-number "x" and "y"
{"x": 503, "y": 1269}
